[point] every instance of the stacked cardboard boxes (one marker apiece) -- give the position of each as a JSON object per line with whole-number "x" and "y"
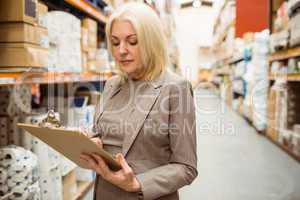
{"x": 93, "y": 59}
{"x": 89, "y": 44}
{"x": 272, "y": 130}
{"x": 22, "y": 39}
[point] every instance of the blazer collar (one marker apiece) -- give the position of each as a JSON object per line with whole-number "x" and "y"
{"x": 156, "y": 83}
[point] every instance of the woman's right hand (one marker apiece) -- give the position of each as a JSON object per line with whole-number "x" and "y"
{"x": 98, "y": 141}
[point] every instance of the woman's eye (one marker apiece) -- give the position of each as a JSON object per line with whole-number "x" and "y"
{"x": 115, "y": 43}
{"x": 133, "y": 42}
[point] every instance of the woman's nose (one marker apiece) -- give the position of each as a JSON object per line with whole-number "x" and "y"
{"x": 123, "y": 48}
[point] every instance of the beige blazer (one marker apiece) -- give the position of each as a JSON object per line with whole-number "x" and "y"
{"x": 162, "y": 148}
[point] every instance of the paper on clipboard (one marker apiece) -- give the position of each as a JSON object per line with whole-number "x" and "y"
{"x": 70, "y": 143}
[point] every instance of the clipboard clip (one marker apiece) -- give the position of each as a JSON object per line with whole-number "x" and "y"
{"x": 51, "y": 120}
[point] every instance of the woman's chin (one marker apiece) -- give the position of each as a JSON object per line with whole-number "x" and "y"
{"x": 127, "y": 70}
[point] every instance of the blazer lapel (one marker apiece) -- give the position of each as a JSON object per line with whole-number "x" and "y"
{"x": 140, "y": 112}
{"x": 114, "y": 87}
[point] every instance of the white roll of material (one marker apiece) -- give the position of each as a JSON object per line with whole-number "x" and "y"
{"x": 10, "y": 155}
{"x": 13, "y": 131}
{"x": 34, "y": 191}
{"x": 20, "y": 191}
{"x": 3, "y": 175}
{"x": 3, "y": 188}
{"x": 3, "y": 132}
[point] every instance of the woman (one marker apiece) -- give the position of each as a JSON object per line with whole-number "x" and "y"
{"x": 146, "y": 116}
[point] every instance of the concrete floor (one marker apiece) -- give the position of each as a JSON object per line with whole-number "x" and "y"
{"x": 234, "y": 162}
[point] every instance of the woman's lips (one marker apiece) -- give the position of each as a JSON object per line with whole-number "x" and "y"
{"x": 126, "y": 62}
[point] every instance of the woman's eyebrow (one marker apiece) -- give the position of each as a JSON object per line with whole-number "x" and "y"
{"x": 131, "y": 35}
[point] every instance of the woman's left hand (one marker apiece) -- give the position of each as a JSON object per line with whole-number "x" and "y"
{"x": 124, "y": 178}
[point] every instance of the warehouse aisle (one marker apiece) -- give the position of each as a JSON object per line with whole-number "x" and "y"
{"x": 236, "y": 163}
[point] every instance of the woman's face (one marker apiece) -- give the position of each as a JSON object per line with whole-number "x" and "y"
{"x": 125, "y": 47}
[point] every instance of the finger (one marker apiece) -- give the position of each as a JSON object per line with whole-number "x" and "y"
{"x": 127, "y": 169}
{"x": 89, "y": 160}
{"x": 83, "y": 131}
{"x": 101, "y": 164}
{"x": 94, "y": 164}
{"x": 97, "y": 141}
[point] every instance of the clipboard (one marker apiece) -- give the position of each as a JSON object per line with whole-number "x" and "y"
{"x": 70, "y": 143}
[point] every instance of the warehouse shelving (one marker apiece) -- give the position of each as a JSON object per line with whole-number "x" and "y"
{"x": 219, "y": 14}
{"x": 284, "y": 148}
{"x": 293, "y": 77}
{"x": 83, "y": 188}
{"x": 285, "y": 54}
{"x": 52, "y": 77}
{"x": 89, "y": 9}
{"x": 288, "y": 77}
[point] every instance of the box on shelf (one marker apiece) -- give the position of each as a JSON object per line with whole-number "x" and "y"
{"x": 294, "y": 27}
{"x": 91, "y": 54}
{"x": 23, "y": 55}
{"x": 84, "y": 39}
{"x": 18, "y": 11}
{"x": 89, "y": 24}
{"x": 91, "y": 66}
{"x": 22, "y": 32}
{"x": 272, "y": 129}
{"x": 42, "y": 11}
{"x": 84, "y": 58}
{"x": 92, "y": 40}
{"x": 69, "y": 185}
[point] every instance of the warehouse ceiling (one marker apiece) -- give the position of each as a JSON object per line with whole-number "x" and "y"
{"x": 196, "y": 3}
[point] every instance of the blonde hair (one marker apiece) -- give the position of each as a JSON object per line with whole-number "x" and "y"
{"x": 151, "y": 39}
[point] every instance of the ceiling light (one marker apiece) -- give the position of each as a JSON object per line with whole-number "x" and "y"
{"x": 196, "y": 3}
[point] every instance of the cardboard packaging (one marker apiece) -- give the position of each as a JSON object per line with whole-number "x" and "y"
{"x": 23, "y": 55}
{"x": 84, "y": 39}
{"x": 91, "y": 66}
{"x": 22, "y": 32}
{"x": 84, "y": 61}
{"x": 91, "y": 54}
{"x": 42, "y": 11}
{"x": 18, "y": 11}
{"x": 92, "y": 40}
{"x": 89, "y": 24}
{"x": 69, "y": 186}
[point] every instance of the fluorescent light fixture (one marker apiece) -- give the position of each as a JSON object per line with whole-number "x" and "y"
{"x": 196, "y": 3}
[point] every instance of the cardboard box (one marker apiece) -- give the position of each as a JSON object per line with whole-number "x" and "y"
{"x": 84, "y": 61}
{"x": 69, "y": 186}
{"x": 84, "y": 39}
{"x": 42, "y": 9}
{"x": 18, "y": 11}
{"x": 22, "y": 32}
{"x": 91, "y": 66}
{"x": 91, "y": 54}
{"x": 92, "y": 40}
{"x": 90, "y": 24}
{"x": 23, "y": 55}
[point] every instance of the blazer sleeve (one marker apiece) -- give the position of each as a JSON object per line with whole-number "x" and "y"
{"x": 182, "y": 167}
